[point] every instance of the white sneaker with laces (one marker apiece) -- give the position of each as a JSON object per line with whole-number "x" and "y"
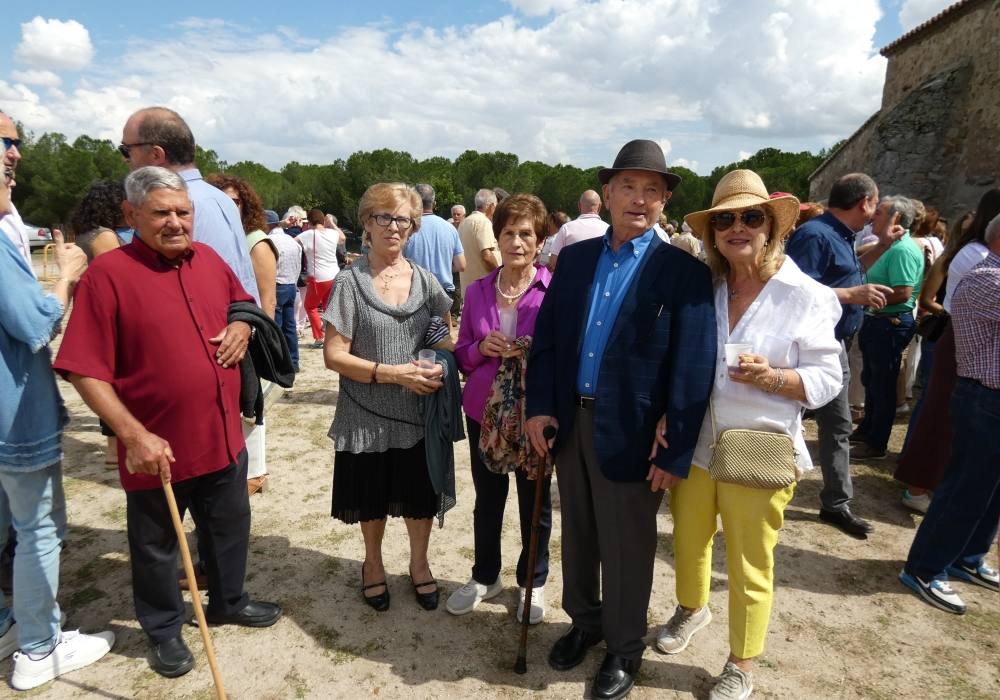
{"x": 468, "y": 597}
{"x": 537, "y": 605}
{"x": 8, "y": 642}
{"x": 677, "y": 633}
{"x": 733, "y": 684}
{"x": 74, "y": 651}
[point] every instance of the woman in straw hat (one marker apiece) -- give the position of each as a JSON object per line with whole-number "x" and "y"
{"x": 784, "y": 322}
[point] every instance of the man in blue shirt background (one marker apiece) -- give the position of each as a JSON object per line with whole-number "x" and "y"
{"x": 436, "y": 246}
{"x": 159, "y": 136}
{"x": 823, "y": 248}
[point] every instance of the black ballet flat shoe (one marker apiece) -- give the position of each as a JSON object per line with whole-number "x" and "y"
{"x": 381, "y": 601}
{"x": 428, "y": 601}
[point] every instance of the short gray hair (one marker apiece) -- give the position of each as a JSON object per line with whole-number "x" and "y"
{"x": 992, "y": 230}
{"x": 903, "y": 206}
{"x": 141, "y": 182}
{"x": 458, "y": 206}
{"x": 484, "y": 198}
{"x": 426, "y": 193}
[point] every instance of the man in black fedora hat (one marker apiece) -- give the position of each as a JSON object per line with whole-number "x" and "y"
{"x": 602, "y": 374}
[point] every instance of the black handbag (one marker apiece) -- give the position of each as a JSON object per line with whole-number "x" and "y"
{"x": 931, "y": 326}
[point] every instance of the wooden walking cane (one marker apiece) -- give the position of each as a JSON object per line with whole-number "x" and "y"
{"x": 521, "y": 665}
{"x": 168, "y": 491}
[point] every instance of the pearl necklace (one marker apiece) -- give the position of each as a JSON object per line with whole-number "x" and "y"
{"x": 512, "y": 298}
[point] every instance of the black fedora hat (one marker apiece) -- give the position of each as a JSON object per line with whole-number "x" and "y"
{"x": 641, "y": 154}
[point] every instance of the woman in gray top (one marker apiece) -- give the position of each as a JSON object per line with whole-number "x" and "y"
{"x": 377, "y": 317}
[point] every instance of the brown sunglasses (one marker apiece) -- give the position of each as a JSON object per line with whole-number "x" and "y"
{"x": 751, "y": 218}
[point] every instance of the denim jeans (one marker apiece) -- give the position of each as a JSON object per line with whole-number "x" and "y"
{"x": 961, "y": 523}
{"x": 883, "y": 340}
{"x": 284, "y": 317}
{"x": 34, "y": 503}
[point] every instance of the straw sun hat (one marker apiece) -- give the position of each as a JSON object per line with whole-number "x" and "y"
{"x": 743, "y": 189}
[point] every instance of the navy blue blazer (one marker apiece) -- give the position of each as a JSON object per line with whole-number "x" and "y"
{"x": 660, "y": 358}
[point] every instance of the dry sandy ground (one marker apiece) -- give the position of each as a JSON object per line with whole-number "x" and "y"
{"x": 842, "y": 627}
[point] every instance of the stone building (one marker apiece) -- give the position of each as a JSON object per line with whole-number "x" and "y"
{"x": 937, "y": 134}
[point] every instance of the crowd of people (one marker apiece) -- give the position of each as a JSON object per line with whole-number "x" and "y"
{"x": 639, "y": 354}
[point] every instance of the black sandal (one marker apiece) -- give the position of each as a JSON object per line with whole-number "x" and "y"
{"x": 428, "y": 601}
{"x": 381, "y": 601}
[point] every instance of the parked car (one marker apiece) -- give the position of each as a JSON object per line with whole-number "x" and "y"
{"x": 38, "y": 237}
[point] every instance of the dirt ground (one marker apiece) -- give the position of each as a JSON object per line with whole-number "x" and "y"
{"x": 842, "y": 626}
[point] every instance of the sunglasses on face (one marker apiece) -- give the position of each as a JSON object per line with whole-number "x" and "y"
{"x": 9, "y": 143}
{"x": 126, "y": 148}
{"x": 403, "y": 223}
{"x": 752, "y": 218}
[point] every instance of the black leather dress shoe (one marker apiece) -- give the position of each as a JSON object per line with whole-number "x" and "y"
{"x": 171, "y": 658}
{"x": 255, "y": 614}
{"x": 571, "y": 648}
{"x": 615, "y": 678}
{"x": 848, "y": 522}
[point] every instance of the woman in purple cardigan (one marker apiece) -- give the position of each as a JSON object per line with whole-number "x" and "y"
{"x": 508, "y": 297}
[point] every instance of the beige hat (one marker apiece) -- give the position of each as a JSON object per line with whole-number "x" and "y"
{"x": 743, "y": 189}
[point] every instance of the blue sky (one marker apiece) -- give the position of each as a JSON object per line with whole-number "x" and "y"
{"x": 554, "y": 80}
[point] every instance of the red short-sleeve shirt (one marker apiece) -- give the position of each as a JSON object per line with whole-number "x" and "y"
{"x": 143, "y": 324}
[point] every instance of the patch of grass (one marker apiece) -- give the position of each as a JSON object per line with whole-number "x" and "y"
{"x": 86, "y": 595}
{"x": 297, "y": 684}
{"x": 115, "y": 515}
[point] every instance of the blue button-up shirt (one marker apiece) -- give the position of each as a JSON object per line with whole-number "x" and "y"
{"x": 217, "y": 224}
{"x": 611, "y": 283}
{"x": 823, "y": 248}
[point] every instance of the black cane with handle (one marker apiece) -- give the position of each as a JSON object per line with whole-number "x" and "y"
{"x": 541, "y": 485}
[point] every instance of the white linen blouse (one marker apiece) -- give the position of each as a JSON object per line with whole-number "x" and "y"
{"x": 791, "y": 323}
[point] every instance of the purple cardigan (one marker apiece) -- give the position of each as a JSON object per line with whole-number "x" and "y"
{"x": 479, "y": 317}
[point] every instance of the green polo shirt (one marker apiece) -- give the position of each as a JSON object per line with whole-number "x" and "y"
{"x": 900, "y": 266}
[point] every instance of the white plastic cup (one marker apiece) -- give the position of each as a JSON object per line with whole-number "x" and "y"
{"x": 733, "y": 352}
{"x": 508, "y": 323}
{"x": 426, "y": 359}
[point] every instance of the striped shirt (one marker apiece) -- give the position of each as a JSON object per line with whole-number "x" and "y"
{"x": 975, "y": 316}
{"x": 289, "y": 257}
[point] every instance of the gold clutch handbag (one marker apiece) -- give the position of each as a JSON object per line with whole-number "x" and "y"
{"x": 755, "y": 458}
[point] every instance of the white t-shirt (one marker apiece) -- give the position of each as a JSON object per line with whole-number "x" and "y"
{"x": 323, "y": 263}
{"x": 579, "y": 229}
{"x": 13, "y": 228}
{"x": 970, "y": 255}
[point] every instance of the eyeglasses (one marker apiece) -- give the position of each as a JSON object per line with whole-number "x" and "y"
{"x": 126, "y": 148}
{"x": 9, "y": 143}
{"x": 403, "y": 223}
{"x": 752, "y": 219}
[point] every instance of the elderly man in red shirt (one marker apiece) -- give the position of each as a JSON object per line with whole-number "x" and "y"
{"x": 150, "y": 350}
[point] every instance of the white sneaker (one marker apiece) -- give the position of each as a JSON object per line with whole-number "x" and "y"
{"x": 677, "y": 633}
{"x": 733, "y": 684}
{"x": 918, "y": 503}
{"x": 469, "y": 596}
{"x": 74, "y": 651}
{"x": 8, "y": 642}
{"x": 537, "y": 605}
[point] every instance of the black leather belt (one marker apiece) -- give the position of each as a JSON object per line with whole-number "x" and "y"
{"x": 585, "y": 402}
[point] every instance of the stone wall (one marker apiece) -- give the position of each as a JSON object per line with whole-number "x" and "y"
{"x": 937, "y": 136}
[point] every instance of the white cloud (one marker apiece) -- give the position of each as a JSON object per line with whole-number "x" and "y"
{"x": 537, "y": 8}
{"x": 569, "y": 88}
{"x": 43, "y": 78}
{"x": 685, "y": 163}
{"x": 743, "y": 155}
{"x": 54, "y": 44}
{"x": 915, "y": 12}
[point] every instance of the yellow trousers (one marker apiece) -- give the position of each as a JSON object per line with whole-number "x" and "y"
{"x": 751, "y": 519}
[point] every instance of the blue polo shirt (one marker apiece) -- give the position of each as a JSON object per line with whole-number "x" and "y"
{"x": 612, "y": 280}
{"x": 823, "y": 248}
{"x": 433, "y": 247}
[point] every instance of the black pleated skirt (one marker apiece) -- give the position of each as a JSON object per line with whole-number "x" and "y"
{"x": 377, "y": 485}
